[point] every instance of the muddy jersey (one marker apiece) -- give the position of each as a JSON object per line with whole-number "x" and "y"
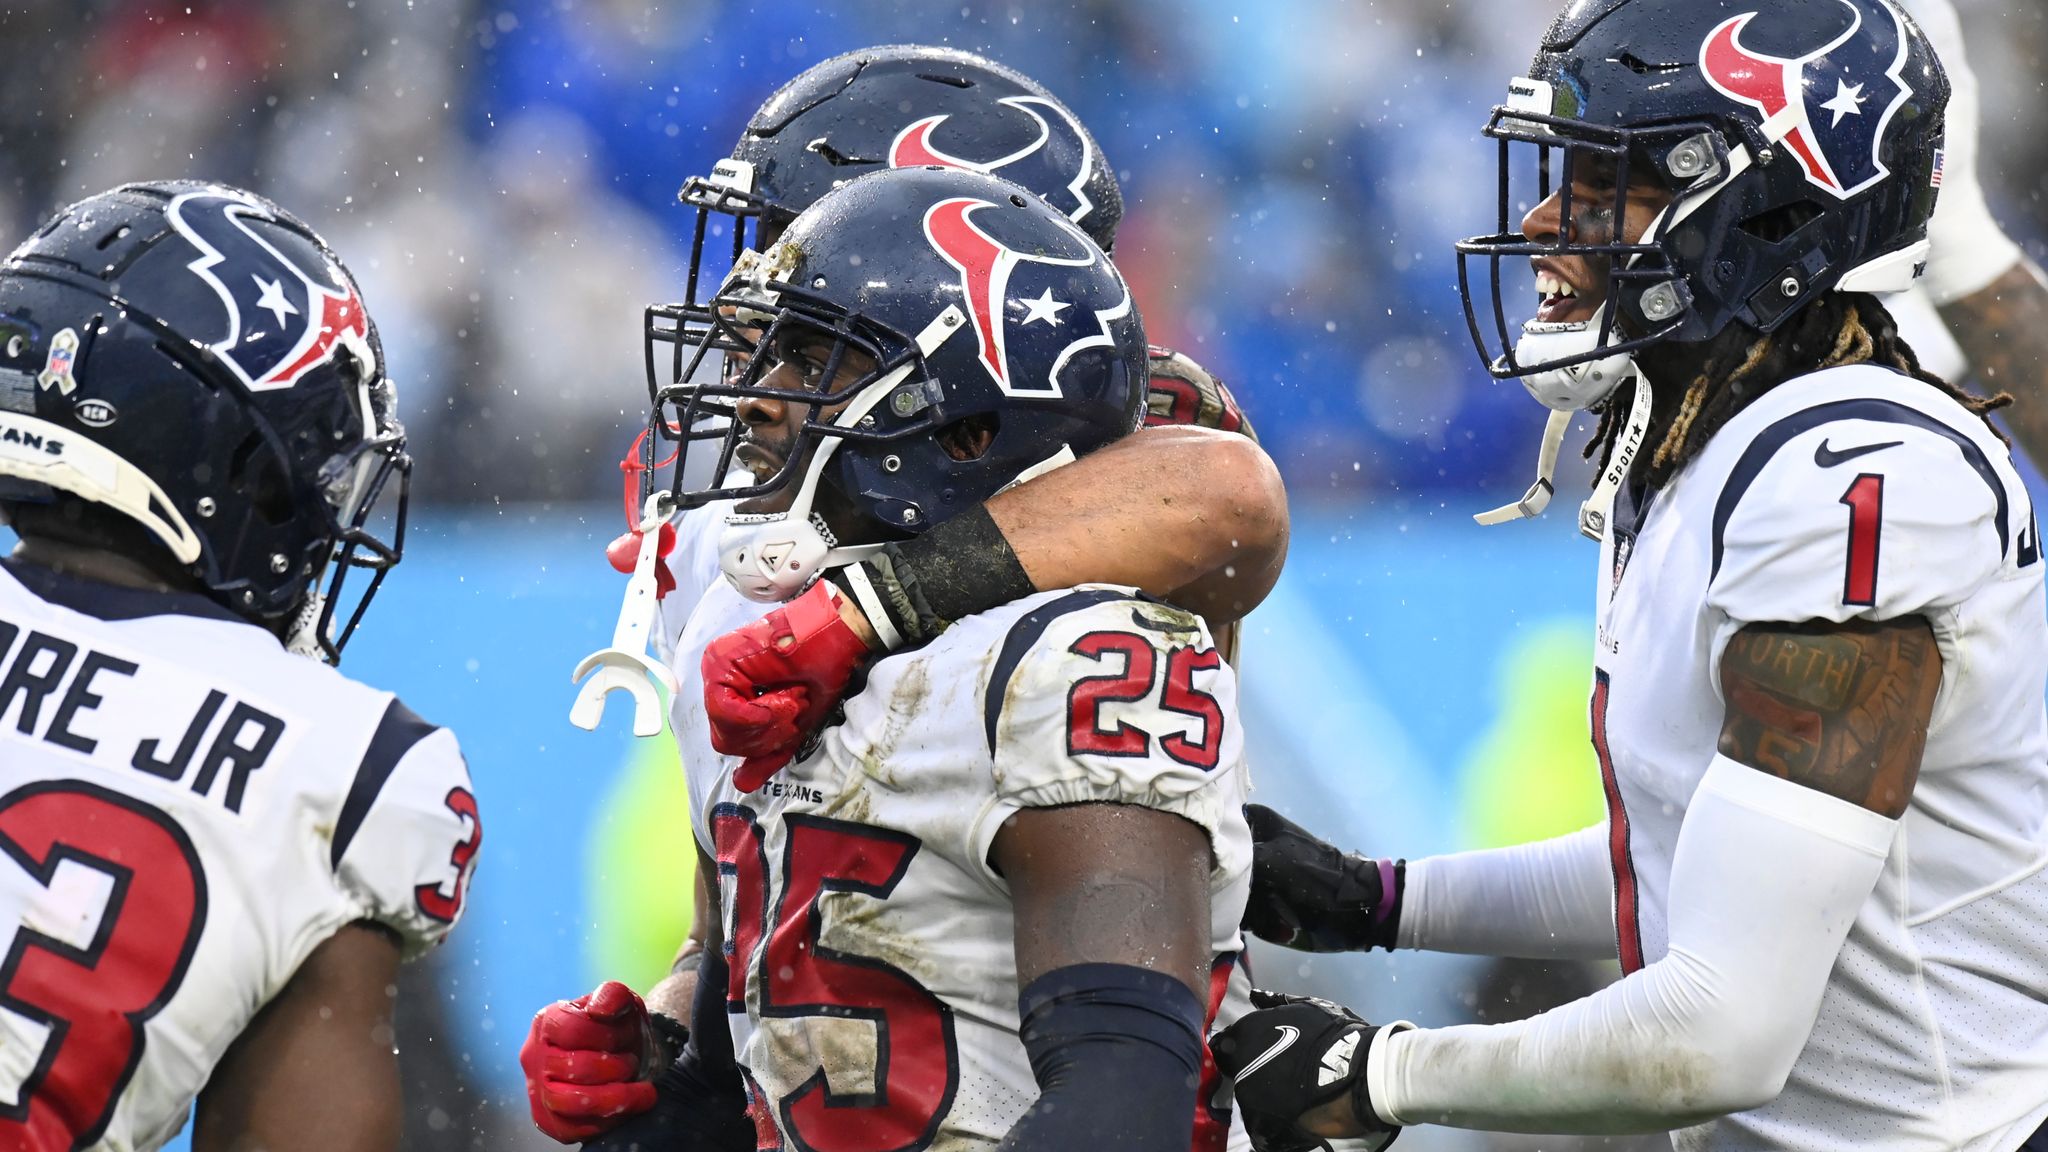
{"x": 186, "y": 812}
{"x": 1856, "y": 494}
{"x": 873, "y": 995}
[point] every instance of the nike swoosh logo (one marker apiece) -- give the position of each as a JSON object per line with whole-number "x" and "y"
{"x": 1827, "y": 457}
{"x": 1286, "y": 1041}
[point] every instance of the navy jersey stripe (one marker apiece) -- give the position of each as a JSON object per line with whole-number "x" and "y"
{"x": 1025, "y": 633}
{"x": 396, "y": 734}
{"x": 1770, "y": 440}
{"x": 112, "y": 602}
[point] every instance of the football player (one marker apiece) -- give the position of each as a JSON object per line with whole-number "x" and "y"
{"x": 1203, "y": 522}
{"x": 993, "y": 903}
{"x": 1979, "y": 285}
{"x": 1820, "y": 657}
{"x": 214, "y": 850}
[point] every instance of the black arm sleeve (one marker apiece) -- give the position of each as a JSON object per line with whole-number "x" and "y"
{"x": 1117, "y": 1052}
{"x": 701, "y": 1100}
{"x": 963, "y": 565}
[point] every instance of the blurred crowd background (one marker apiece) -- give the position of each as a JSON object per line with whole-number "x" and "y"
{"x": 502, "y": 177}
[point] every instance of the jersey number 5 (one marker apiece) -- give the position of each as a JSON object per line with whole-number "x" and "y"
{"x": 1135, "y": 682}
{"x": 102, "y": 949}
{"x": 1865, "y": 499}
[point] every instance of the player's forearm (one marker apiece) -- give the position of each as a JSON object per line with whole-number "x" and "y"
{"x": 1551, "y": 900}
{"x": 315, "y": 1071}
{"x": 674, "y": 996}
{"x": 1712, "y": 1028}
{"x": 2003, "y": 330}
{"x": 1192, "y": 515}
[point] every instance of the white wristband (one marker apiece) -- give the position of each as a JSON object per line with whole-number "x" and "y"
{"x": 1376, "y": 1065}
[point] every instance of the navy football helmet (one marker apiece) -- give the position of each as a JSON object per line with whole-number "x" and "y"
{"x": 196, "y": 359}
{"x": 892, "y": 106}
{"x": 1800, "y": 143}
{"x": 969, "y": 301}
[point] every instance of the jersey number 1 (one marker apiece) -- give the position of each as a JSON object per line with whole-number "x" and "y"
{"x": 92, "y": 981}
{"x": 1865, "y": 499}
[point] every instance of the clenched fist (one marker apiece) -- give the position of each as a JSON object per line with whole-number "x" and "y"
{"x": 772, "y": 683}
{"x": 590, "y": 1062}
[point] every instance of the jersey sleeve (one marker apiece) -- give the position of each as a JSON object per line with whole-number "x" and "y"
{"x": 1183, "y": 392}
{"x": 406, "y": 842}
{"x": 1874, "y": 518}
{"x": 1101, "y": 697}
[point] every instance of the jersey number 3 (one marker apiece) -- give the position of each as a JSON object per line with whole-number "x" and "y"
{"x": 116, "y": 901}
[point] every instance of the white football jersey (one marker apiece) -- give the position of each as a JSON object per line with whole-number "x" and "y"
{"x": 187, "y": 811}
{"x": 1856, "y": 493}
{"x": 874, "y": 987}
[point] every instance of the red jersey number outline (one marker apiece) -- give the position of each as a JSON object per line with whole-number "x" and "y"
{"x": 435, "y": 904}
{"x": 917, "y": 1057}
{"x": 1136, "y": 681}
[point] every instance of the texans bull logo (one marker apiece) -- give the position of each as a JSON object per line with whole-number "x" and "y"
{"x": 913, "y": 146}
{"x": 282, "y": 321}
{"x": 989, "y": 269}
{"x": 1830, "y": 106}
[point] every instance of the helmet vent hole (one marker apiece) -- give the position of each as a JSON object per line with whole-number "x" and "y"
{"x": 969, "y": 438}
{"x": 1642, "y": 67}
{"x": 108, "y": 240}
{"x": 955, "y": 81}
{"x": 1781, "y": 223}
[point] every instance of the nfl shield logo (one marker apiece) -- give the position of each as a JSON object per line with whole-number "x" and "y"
{"x": 1624, "y": 547}
{"x": 57, "y": 369}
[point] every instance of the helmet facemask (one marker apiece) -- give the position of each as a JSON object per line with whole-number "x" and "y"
{"x": 679, "y": 341}
{"x": 366, "y": 530}
{"x": 749, "y": 328}
{"x": 1573, "y": 365}
{"x": 732, "y": 218}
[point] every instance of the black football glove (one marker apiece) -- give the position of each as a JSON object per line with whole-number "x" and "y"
{"x": 700, "y": 1105}
{"x": 1309, "y": 896}
{"x": 1295, "y": 1054}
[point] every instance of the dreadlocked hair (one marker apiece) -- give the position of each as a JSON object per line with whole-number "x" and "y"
{"x": 1836, "y": 330}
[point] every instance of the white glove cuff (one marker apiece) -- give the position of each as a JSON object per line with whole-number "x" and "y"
{"x": 1376, "y": 1070}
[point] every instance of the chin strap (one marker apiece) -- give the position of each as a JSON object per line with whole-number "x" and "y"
{"x": 1598, "y": 509}
{"x": 771, "y": 557}
{"x": 303, "y": 637}
{"x": 1537, "y": 498}
{"x": 626, "y": 664}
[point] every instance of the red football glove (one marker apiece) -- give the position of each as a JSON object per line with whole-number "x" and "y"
{"x": 589, "y": 1063}
{"x": 771, "y": 683}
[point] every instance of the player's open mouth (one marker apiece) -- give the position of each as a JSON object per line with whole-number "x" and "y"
{"x": 763, "y": 462}
{"x": 1562, "y": 301}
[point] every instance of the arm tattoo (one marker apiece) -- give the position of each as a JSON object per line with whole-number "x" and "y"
{"x": 1840, "y": 708}
{"x": 2003, "y": 330}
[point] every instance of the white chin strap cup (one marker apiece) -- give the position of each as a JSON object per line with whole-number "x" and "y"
{"x": 1595, "y": 513}
{"x": 626, "y": 664}
{"x": 1581, "y": 386}
{"x": 1538, "y": 497}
